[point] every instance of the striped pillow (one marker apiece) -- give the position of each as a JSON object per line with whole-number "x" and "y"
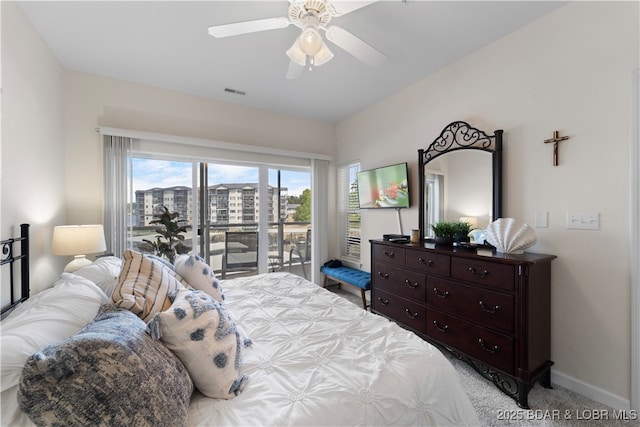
{"x": 145, "y": 285}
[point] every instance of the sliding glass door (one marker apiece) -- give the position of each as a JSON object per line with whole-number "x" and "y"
{"x": 243, "y": 219}
{"x": 158, "y": 183}
{"x": 290, "y": 231}
{"x": 229, "y": 207}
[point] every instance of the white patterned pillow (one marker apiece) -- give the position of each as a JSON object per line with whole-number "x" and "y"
{"x": 110, "y": 373}
{"x": 199, "y": 275}
{"x": 145, "y": 285}
{"x": 201, "y": 332}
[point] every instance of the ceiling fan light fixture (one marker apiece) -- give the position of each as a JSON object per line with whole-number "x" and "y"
{"x": 296, "y": 54}
{"x": 323, "y": 56}
{"x": 310, "y": 41}
{"x": 309, "y": 48}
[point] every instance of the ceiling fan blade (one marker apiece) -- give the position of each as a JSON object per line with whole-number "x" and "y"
{"x": 295, "y": 70}
{"x": 237, "y": 28}
{"x": 342, "y": 7}
{"x": 356, "y": 47}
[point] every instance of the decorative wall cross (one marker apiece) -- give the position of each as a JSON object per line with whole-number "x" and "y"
{"x": 556, "y": 138}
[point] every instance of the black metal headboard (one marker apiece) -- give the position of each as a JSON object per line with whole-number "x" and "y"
{"x": 8, "y": 257}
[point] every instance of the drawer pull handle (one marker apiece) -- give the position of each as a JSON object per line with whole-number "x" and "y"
{"x": 383, "y": 275}
{"x": 383, "y": 301}
{"x": 493, "y": 310}
{"x": 491, "y": 350}
{"x": 442, "y": 329}
{"x": 482, "y": 275}
{"x": 411, "y": 285}
{"x": 410, "y": 314}
{"x": 388, "y": 254}
{"x": 427, "y": 262}
{"x": 440, "y": 294}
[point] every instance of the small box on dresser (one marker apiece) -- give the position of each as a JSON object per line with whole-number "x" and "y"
{"x": 493, "y": 311}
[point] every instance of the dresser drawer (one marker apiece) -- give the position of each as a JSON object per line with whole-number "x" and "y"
{"x": 499, "y": 276}
{"x": 429, "y": 263}
{"x": 490, "y": 347}
{"x": 404, "y": 283}
{"x": 389, "y": 254}
{"x": 476, "y": 304}
{"x": 407, "y": 312}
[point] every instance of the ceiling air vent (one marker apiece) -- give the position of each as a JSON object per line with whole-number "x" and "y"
{"x": 234, "y": 91}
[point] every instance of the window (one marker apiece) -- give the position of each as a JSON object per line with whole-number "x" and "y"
{"x": 157, "y": 183}
{"x": 222, "y": 206}
{"x": 224, "y": 182}
{"x": 349, "y": 211}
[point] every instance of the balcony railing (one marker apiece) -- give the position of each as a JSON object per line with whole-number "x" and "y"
{"x": 288, "y": 247}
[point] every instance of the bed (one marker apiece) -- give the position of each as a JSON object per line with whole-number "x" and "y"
{"x": 306, "y": 357}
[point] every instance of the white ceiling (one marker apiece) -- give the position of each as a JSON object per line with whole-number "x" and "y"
{"x": 166, "y": 44}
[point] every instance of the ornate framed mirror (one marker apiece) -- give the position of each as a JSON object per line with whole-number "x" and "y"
{"x": 460, "y": 176}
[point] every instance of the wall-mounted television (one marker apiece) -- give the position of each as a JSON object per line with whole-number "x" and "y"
{"x": 384, "y": 187}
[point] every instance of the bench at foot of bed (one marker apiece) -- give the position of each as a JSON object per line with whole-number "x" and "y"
{"x": 348, "y": 276}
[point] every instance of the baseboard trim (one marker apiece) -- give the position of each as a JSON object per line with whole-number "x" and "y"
{"x": 590, "y": 391}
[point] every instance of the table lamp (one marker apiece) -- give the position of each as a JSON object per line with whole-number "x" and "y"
{"x": 78, "y": 240}
{"x": 471, "y": 220}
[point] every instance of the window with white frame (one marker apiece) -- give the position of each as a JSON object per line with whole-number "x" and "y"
{"x": 122, "y": 145}
{"x": 349, "y": 210}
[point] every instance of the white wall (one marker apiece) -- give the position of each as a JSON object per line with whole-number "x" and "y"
{"x": 92, "y": 101}
{"x": 569, "y": 71}
{"x": 32, "y": 143}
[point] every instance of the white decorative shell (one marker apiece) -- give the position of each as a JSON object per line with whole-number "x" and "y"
{"x": 509, "y": 237}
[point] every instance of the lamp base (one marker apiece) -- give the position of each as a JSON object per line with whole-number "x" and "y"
{"x": 78, "y": 262}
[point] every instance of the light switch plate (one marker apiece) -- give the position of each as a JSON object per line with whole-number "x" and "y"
{"x": 583, "y": 220}
{"x": 541, "y": 219}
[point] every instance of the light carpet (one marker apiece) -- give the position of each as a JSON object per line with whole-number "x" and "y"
{"x": 549, "y": 407}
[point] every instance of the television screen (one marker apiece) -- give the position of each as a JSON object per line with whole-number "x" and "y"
{"x": 384, "y": 187}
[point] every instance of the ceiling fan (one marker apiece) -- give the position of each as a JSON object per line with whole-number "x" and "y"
{"x": 311, "y": 16}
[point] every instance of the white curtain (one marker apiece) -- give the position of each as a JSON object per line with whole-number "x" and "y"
{"x": 319, "y": 216}
{"x": 117, "y": 168}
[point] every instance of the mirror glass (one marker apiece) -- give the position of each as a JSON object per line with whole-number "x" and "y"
{"x": 459, "y": 185}
{"x": 460, "y": 178}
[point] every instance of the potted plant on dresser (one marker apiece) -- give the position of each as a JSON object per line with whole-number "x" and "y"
{"x": 447, "y": 232}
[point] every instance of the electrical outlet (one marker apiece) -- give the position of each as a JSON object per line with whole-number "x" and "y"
{"x": 583, "y": 220}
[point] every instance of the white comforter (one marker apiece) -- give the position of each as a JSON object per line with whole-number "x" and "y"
{"x": 318, "y": 359}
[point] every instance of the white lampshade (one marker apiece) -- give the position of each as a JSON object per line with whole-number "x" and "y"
{"x": 310, "y": 44}
{"x": 310, "y": 41}
{"x": 296, "y": 54}
{"x": 78, "y": 240}
{"x": 471, "y": 220}
{"x": 323, "y": 56}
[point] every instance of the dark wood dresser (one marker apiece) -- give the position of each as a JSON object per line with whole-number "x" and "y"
{"x": 491, "y": 310}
